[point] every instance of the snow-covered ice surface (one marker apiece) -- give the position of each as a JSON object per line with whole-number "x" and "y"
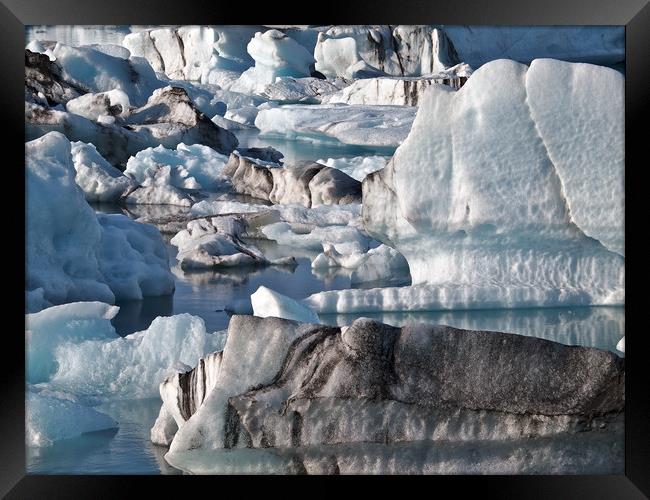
{"x": 383, "y": 126}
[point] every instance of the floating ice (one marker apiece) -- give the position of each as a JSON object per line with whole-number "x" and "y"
{"x": 51, "y": 327}
{"x": 323, "y": 393}
{"x": 267, "y": 302}
{"x": 99, "y": 72}
{"x": 192, "y": 166}
{"x": 212, "y": 242}
{"x": 98, "y": 179}
{"x": 133, "y": 258}
{"x": 93, "y": 106}
{"x": 478, "y": 207}
{"x": 72, "y": 254}
{"x": 357, "y": 167}
{"x": 132, "y": 367}
{"x": 400, "y": 91}
{"x": 384, "y": 126}
{"x": 357, "y": 51}
{"x": 51, "y": 417}
{"x": 275, "y": 55}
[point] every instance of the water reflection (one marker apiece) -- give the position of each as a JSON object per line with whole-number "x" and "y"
{"x": 600, "y": 327}
{"x": 127, "y": 450}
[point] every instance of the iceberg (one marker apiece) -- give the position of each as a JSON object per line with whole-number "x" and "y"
{"x": 275, "y": 55}
{"x": 97, "y": 72}
{"x": 191, "y": 166}
{"x": 99, "y": 180}
{"x": 303, "y": 182}
{"x": 378, "y": 126}
{"x": 402, "y": 51}
{"x": 486, "y": 206}
{"x": 51, "y": 418}
{"x": 51, "y": 327}
{"x": 357, "y": 167}
{"x": 169, "y": 118}
{"x": 315, "y": 393}
{"x": 213, "y": 242}
{"x": 131, "y": 367}
{"x": 103, "y": 105}
{"x": 73, "y": 254}
{"x": 267, "y": 302}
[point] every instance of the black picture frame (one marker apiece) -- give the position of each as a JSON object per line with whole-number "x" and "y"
{"x": 633, "y": 14}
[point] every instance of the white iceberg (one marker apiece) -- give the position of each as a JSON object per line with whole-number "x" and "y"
{"x": 72, "y": 254}
{"x": 99, "y": 180}
{"x": 481, "y": 211}
{"x": 191, "y": 166}
{"x": 397, "y": 91}
{"x": 103, "y": 104}
{"x": 100, "y": 72}
{"x": 357, "y": 167}
{"x": 51, "y": 327}
{"x": 269, "y": 303}
{"x": 275, "y": 55}
{"x": 213, "y": 242}
{"x": 359, "y": 51}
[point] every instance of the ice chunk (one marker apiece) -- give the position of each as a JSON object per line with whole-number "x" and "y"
{"x": 621, "y": 345}
{"x": 133, "y": 258}
{"x": 51, "y": 327}
{"x": 72, "y": 254}
{"x": 192, "y": 166}
{"x": 403, "y": 51}
{"x": 212, "y": 242}
{"x": 132, "y": 367}
{"x": 477, "y": 206}
{"x": 170, "y": 117}
{"x": 404, "y": 91}
{"x": 276, "y": 376}
{"x": 267, "y": 302}
{"x": 62, "y": 232}
{"x": 93, "y": 106}
{"x": 99, "y": 72}
{"x": 357, "y": 167}
{"x": 293, "y": 90}
{"x": 50, "y": 418}
{"x": 98, "y": 179}
{"x": 383, "y": 126}
{"x": 275, "y": 55}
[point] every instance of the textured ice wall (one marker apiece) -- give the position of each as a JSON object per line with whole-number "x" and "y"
{"x": 506, "y": 193}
